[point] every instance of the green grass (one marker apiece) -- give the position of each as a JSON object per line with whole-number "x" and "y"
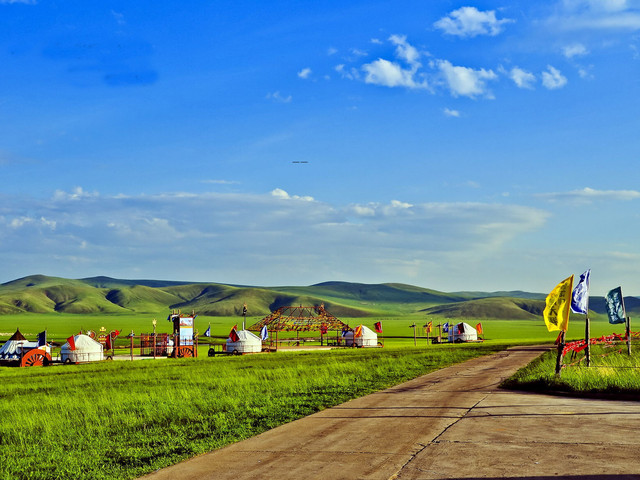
{"x": 122, "y": 419}
{"x": 610, "y": 372}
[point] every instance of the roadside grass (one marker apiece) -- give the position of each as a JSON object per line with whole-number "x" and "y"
{"x": 123, "y": 419}
{"x": 612, "y": 372}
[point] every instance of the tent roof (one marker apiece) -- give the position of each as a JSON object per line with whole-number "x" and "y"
{"x": 84, "y": 343}
{"x": 17, "y": 336}
{"x": 246, "y": 336}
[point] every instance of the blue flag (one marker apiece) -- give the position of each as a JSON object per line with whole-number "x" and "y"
{"x": 445, "y": 328}
{"x": 42, "y": 338}
{"x": 615, "y": 306}
{"x": 264, "y": 333}
{"x": 580, "y": 296}
{"x": 207, "y": 333}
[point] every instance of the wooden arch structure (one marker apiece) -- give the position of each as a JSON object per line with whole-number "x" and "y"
{"x": 300, "y": 319}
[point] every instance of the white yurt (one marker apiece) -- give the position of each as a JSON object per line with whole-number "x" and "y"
{"x": 367, "y": 338}
{"x": 462, "y": 332}
{"x": 247, "y": 343}
{"x": 86, "y": 350}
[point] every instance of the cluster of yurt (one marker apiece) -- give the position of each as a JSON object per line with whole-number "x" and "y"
{"x": 462, "y": 332}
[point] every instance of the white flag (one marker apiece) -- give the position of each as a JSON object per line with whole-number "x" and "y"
{"x": 580, "y": 297}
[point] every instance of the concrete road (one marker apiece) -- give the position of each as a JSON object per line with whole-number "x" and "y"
{"x": 453, "y": 423}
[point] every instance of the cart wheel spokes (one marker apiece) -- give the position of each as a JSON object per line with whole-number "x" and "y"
{"x": 184, "y": 352}
{"x": 35, "y": 358}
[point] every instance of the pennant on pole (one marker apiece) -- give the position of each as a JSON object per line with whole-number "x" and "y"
{"x": 264, "y": 333}
{"x": 42, "y": 338}
{"x": 615, "y": 306}
{"x": 580, "y": 296}
{"x": 378, "y": 326}
{"x": 445, "y": 328}
{"x": 358, "y": 332}
{"x": 556, "y": 311}
{"x": 72, "y": 343}
{"x": 207, "y": 332}
{"x": 233, "y": 334}
{"x": 479, "y": 328}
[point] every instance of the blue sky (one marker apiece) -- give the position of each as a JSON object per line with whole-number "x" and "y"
{"x": 451, "y": 145}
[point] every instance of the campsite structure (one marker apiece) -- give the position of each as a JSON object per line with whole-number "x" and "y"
{"x": 20, "y": 351}
{"x": 83, "y": 349}
{"x": 462, "y": 332}
{"x": 302, "y": 319}
{"x": 361, "y": 336}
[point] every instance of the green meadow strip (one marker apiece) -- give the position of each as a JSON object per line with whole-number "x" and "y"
{"x": 612, "y": 372}
{"x": 123, "y": 419}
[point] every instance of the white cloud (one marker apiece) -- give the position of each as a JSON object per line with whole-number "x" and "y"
{"x": 464, "y": 81}
{"x": 279, "y": 193}
{"x": 349, "y": 73}
{"x": 392, "y": 74}
{"x": 575, "y": 50}
{"x": 451, "y": 113}
{"x": 248, "y": 238}
{"x": 553, "y": 79}
{"x": 522, "y": 78}
{"x": 589, "y": 195}
{"x": 304, "y": 73}
{"x": 612, "y": 15}
{"x": 279, "y": 98}
{"x": 471, "y": 22}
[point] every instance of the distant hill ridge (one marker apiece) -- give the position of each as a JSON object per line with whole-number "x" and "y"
{"x": 45, "y": 294}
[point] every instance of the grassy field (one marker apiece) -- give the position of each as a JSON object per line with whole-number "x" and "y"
{"x": 612, "y": 371}
{"x": 60, "y": 326}
{"x": 121, "y": 419}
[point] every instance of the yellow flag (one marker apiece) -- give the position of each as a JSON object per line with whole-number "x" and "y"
{"x": 556, "y": 313}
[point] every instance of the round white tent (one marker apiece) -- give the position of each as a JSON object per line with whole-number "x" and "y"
{"x": 462, "y": 332}
{"x": 367, "y": 337}
{"x": 86, "y": 350}
{"x": 247, "y": 343}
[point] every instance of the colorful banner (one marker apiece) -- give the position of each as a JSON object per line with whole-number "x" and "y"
{"x": 558, "y": 302}
{"x": 378, "y": 326}
{"x": 233, "y": 334}
{"x": 580, "y": 296}
{"x": 358, "y": 332}
{"x": 615, "y": 306}
{"x": 479, "y": 329}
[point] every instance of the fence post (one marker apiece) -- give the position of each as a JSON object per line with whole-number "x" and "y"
{"x": 560, "y": 351}
{"x": 587, "y": 338}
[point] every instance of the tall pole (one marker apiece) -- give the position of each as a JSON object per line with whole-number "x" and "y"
{"x": 415, "y": 338}
{"x": 628, "y": 335}
{"x": 560, "y": 351}
{"x": 587, "y": 338}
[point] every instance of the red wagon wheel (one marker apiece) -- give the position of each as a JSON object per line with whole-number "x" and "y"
{"x": 35, "y": 358}
{"x": 184, "y": 351}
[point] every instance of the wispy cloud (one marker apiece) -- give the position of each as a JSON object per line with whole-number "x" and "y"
{"x": 590, "y": 195}
{"x": 471, "y": 22}
{"x": 611, "y": 15}
{"x": 448, "y": 112}
{"x": 279, "y": 98}
{"x": 553, "y": 79}
{"x": 304, "y": 73}
{"x": 522, "y": 78}
{"x": 464, "y": 81}
{"x": 575, "y": 50}
{"x": 224, "y": 236}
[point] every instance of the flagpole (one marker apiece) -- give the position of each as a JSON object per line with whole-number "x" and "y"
{"x": 560, "y": 350}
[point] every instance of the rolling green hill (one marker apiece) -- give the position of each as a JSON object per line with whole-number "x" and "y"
{"x": 95, "y": 295}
